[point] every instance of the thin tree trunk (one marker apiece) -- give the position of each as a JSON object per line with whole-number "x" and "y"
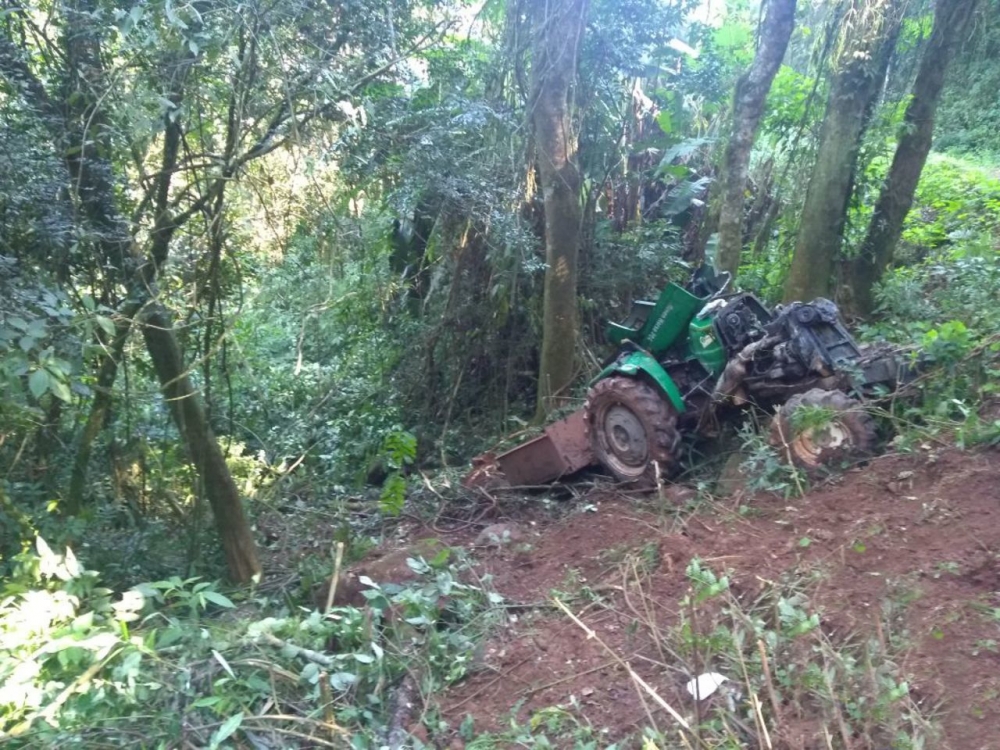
{"x": 558, "y": 30}
{"x": 951, "y": 19}
{"x": 99, "y": 409}
{"x": 101, "y": 210}
{"x": 748, "y": 108}
{"x": 766, "y": 228}
{"x": 203, "y": 450}
{"x": 854, "y": 89}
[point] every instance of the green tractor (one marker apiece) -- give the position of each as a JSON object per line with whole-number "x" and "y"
{"x": 687, "y": 362}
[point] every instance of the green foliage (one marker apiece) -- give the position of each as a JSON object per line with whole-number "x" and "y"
{"x": 956, "y": 201}
{"x": 399, "y": 450}
{"x": 944, "y": 308}
{"x": 67, "y": 651}
{"x": 766, "y": 469}
{"x": 705, "y": 584}
{"x": 787, "y": 110}
{"x": 80, "y": 663}
{"x": 39, "y": 348}
{"x": 967, "y": 115}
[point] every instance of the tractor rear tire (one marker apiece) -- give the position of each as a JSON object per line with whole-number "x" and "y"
{"x": 632, "y": 430}
{"x": 847, "y": 436}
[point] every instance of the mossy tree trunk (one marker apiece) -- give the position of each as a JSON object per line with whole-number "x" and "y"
{"x": 558, "y": 29}
{"x": 748, "y": 108}
{"x": 868, "y": 37}
{"x": 951, "y": 20}
{"x": 188, "y": 412}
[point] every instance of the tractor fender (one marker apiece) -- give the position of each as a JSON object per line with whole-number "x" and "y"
{"x": 636, "y": 362}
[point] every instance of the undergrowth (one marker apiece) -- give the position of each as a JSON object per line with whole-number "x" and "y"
{"x": 177, "y": 663}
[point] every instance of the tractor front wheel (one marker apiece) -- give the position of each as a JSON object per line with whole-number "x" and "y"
{"x": 818, "y": 430}
{"x": 632, "y": 429}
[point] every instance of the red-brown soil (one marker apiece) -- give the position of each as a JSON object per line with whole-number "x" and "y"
{"x": 921, "y": 531}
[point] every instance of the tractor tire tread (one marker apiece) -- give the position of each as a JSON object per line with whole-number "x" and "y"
{"x": 653, "y": 410}
{"x": 850, "y": 414}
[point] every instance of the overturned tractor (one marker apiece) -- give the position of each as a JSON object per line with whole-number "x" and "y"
{"x": 689, "y": 361}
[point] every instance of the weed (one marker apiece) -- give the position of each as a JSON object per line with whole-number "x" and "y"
{"x": 783, "y": 669}
{"x": 562, "y": 726}
{"x": 766, "y": 468}
{"x": 164, "y": 659}
{"x": 946, "y": 568}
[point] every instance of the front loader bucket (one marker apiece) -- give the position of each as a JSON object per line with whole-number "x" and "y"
{"x": 559, "y": 451}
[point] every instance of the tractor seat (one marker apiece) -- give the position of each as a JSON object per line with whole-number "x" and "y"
{"x": 630, "y": 328}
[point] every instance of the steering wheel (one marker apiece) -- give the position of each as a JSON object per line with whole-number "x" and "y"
{"x": 708, "y": 284}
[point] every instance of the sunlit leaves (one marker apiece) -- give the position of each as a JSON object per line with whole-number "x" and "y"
{"x": 224, "y": 732}
{"x": 393, "y": 496}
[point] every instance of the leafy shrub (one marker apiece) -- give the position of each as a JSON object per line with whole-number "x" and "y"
{"x": 944, "y": 307}
{"x": 163, "y": 660}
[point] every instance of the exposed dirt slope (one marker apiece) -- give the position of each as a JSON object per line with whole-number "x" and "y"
{"x": 918, "y": 534}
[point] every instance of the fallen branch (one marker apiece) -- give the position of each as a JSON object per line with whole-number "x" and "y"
{"x": 297, "y": 651}
{"x": 640, "y": 683}
{"x": 401, "y": 712}
{"x": 339, "y": 559}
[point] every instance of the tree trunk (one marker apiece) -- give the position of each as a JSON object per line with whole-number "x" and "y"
{"x": 203, "y": 450}
{"x": 558, "y": 29}
{"x": 748, "y": 108}
{"x": 856, "y": 82}
{"x": 99, "y": 409}
{"x": 951, "y": 19}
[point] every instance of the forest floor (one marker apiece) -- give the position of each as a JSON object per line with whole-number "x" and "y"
{"x": 917, "y": 534}
{"x": 903, "y": 553}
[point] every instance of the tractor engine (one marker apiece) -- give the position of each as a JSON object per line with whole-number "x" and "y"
{"x": 773, "y": 355}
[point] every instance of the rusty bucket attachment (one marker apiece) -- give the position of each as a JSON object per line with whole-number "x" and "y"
{"x": 559, "y": 451}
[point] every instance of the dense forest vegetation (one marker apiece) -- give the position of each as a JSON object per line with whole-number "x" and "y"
{"x": 304, "y": 260}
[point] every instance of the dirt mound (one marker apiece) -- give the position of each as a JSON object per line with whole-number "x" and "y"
{"x": 909, "y": 542}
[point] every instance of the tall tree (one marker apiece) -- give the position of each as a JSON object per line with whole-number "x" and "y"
{"x": 557, "y": 30}
{"x": 748, "y": 108}
{"x": 867, "y": 38}
{"x": 94, "y": 183}
{"x": 156, "y": 118}
{"x": 951, "y": 21}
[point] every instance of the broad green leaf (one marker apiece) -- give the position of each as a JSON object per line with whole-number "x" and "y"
{"x": 60, "y": 390}
{"x": 105, "y": 323}
{"x": 206, "y": 702}
{"x": 226, "y": 730}
{"x": 38, "y": 383}
{"x": 342, "y": 680}
{"x": 216, "y": 598}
